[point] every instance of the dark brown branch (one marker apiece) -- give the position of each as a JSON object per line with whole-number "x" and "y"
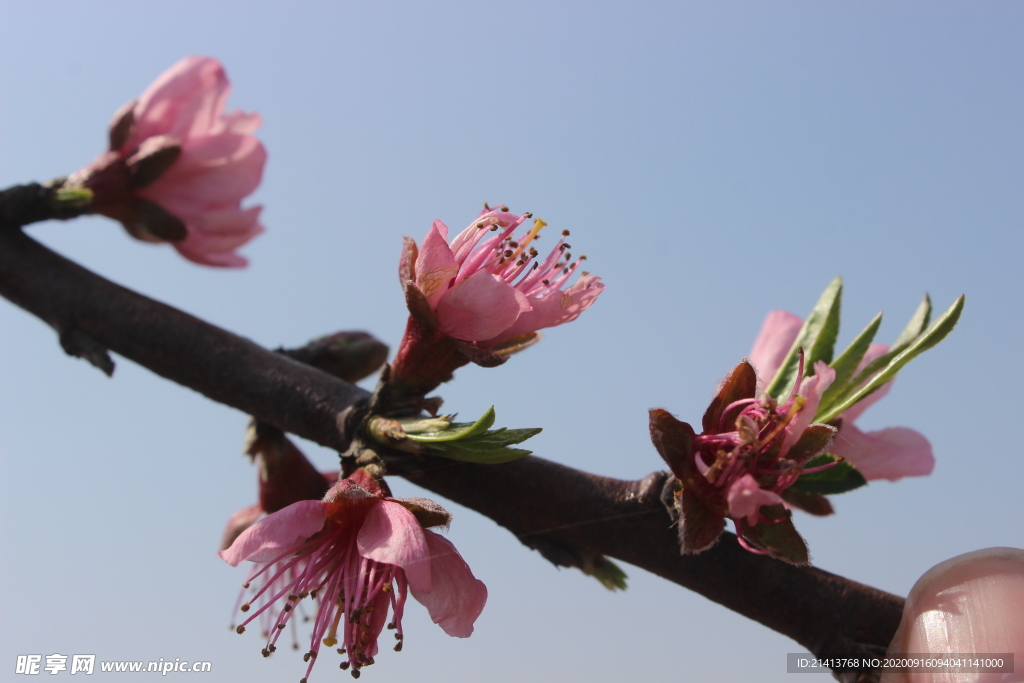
{"x": 553, "y": 508}
{"x": 24, "y": 204}
{"x": 81, "y": 306}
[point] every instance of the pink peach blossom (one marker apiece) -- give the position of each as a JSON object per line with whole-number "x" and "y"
{"x": 752, "y": 449}
{"x": 357, "y": 553}
{"x": 177, "y": 149}
{"x": 486, "y": 286}
{"x": 890, "y": 453}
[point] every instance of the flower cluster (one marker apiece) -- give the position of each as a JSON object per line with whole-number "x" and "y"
{"x": 750, "y": 451}
{"x": 178, "y": 166}
{"x": 890, "y": 453}
{"x": 753, "y": 449}
{"x": 357, "y": 554}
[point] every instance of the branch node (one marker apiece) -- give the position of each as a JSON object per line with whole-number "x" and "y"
{"x": 77, "y": 343}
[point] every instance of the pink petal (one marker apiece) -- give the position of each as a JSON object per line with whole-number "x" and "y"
{"x": 392, "y": 535}
{"x": 479, "y": 308}
{"x": 811, "y": 390}
{"x": 239, "y": 522}
{"x": 213, "y": 236}
{"x": 212, "y": 172}
{"x": 457, "y": 597}
{"x": 745, "y": 498}
{"x": 186, "y": 100}
{"x": 435, "y": 264}
{"x": 890, "y": 453}
{"x": 242, "y": 122}
{"x": 556, "y": 307}
{"x": 778, "y": 332}
{"x": 268, "y": 537}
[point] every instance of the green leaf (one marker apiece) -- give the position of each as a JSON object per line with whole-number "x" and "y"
{"x": 918, "y": 323}
{"x": 458, "y": 430}
{"x": 847, "y": 363}
{"x": 935, "y": 333}
{"x": 608, "y": 573}
{"x": 817, "y": 338}
{"x": 490, "y": 448}
{"x": 839, "y": 478}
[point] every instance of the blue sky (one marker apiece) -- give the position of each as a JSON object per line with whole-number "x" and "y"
{"x": 715, "y": 161}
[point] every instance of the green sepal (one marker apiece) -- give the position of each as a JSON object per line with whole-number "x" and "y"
{"x": 457, "y": 431}
{"x": 489, "y": 448}
{"x": 846, "y": 365}
{"x": 888, "y": 365}
{"x": 839, "y": 478}
{"x": 817, "y": 338}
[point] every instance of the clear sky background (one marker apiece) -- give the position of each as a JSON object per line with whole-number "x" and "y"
{"x": 715, "y": 161}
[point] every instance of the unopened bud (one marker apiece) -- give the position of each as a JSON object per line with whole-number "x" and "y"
{"x": 351, "y": 356}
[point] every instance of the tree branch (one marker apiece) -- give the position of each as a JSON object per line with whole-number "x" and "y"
{"x": 562, "y": 512}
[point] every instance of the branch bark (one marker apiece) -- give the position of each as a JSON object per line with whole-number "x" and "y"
{"x": 562, "y": 512}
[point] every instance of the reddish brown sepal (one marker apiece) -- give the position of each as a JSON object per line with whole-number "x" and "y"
{"x": 741, "y": 383}
{"x": 427, "y": 512}
{"x": 674, "y": 441}
{"x": 482, "y": 357}
{"x": 700, "y": 524}
{"x": 814, "y": 440}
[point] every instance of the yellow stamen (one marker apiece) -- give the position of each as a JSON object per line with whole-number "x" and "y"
{"x": 538, "y": 223}
{"x": 332, "y": 634}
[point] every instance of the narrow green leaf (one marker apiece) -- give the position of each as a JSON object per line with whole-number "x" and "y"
{"x": 608, "y": 573}
{"x": 836, "y": 479}
{"x": 918, "y": 324}
{"x": 484, "y": 457}
{"x": 935, "y": 333}
{"x": 496, "y": 438}
{"x": 491, "y": 447}
{"x": 847, "y": 363}
{"x": 817, "y": 338}
{"x": 458, "y": 430}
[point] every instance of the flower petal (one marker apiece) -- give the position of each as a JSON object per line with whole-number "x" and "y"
{"x": 811, "y": 391}
{"x": 392, "y": 535}
{"x": 435, "y": 264}
{"x": 480, "y": 307}
{"x": 745, "y": 498}
{"x": 268, "y": 537}
{"x": 555, "y": 308}
{"x": 184, "y": 101}
{"x": 457, "y": 597}
{"x": 874, "y": 351}
{"x": 778, "y": 332}
{"x": 213, "y": 236}
{"x": 212, "y": 172}
{"x": 891, "y": 453}
{"x": 239, "y": 522}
